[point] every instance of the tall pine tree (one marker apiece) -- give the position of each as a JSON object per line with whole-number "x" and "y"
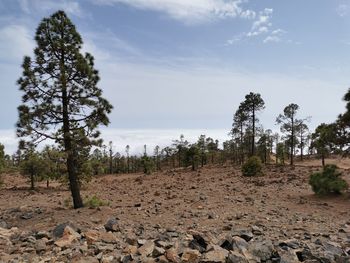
{"x": 61, "y": 100}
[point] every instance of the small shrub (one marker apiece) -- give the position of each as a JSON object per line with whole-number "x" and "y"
{"x": 328, "y": 181}
{"x": 68, "y": 202}
{"x": 94, "y": 202}
{"x": 252, "y": 167}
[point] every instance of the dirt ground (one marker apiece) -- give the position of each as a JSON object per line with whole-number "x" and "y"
{"x": 214, "y": 198}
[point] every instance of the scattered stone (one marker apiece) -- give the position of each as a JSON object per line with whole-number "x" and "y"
{"x": 217, "y": 255}
{"x": 112, "y": 225}
{"x": 262, "y": 250}
{"x": 68, "y": 238}
{"x": 235, "y": 257}
{"x": 190, "y": 255}
{"x": 59, "y": 230}
{"x": 198, "y": 243}
{"x": 27, "y": 216}
{"x": 158, "y": 251}
{"x": 146, "y": 249}
{"x": 172, "y": 256}
{"x": 40, "y": 246}
{"x": 245, "y": 234}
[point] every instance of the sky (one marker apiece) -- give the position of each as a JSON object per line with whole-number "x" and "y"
{"x": 174, "y": 67}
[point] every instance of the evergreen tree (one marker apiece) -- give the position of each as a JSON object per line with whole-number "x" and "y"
{"x": 280, "y": 153}
{"x": 288, "y": 123}
{"x": 157, "y": 157}
{"x": 240, "y": 120}
{"x": 33, "y": 164}
{"x": 61, "y": 100}
{"x": 202, "y": 145}
{"x": 127, "y": 151}
{"x": 252, "y": 104}
{"x": 2, "y": 157}
{"x": 192, "y": 156}
{"x": 323, "y": 140}
{"x": 303, "y": 132}
{"x": 181, "y": 146}
{"x": 55, "y": 164}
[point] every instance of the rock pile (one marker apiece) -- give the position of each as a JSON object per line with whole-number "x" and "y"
{"x": 111, "y": 243}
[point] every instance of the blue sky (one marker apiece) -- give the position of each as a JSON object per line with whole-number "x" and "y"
{"x": 184, "y": 65}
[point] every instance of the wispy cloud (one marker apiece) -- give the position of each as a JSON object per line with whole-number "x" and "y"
{"x": 113, "y": 45}
{"x": 263, "y": 20}
{"x": 16, "y": 41}
{"x": 70, "y": 6}
{"x": 343, "y": 10}
{"x": 189, "y": 12}
{"x": 262, "y": 27}
{"x": 275, "y": 36}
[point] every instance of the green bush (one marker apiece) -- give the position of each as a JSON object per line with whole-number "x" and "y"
{"x": 252, "y": 167}
{"x": 91, "y": 202}
{"x": 94, "y": 202}
{"x": 328, "y": 181}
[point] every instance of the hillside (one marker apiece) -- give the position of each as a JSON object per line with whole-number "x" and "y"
{"x": 277, "y": 213}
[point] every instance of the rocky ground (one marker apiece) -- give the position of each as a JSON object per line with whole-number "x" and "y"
{"x": 212, "y": 215}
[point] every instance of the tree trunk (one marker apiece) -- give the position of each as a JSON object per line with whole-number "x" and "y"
{"x": 253, "y": 137}
{"x": 323, "y": 160}
{"x": 71, "y": 155}
{"x": 292, "y": 144}
{"x": 301, "y": 145}
{"x": 31, "y": 181}
{"x": 241, "y": 146}
{"x": 71, "y": 162}
{"x": 110, "y": 164}
{"x": 128, "y": 163}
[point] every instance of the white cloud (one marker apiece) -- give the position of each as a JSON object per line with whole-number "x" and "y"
{"x": 275, "y": 36}
{"x": 262, "y": 24}
{"x": 189, "y": 11}
{"x": 272, "y": 39}
{"x": 9, "y": 140}
{"x": 342, "y": 10}
{"x": 16, "y": 41}
{"x": 278, "y": 32}
{"x": 69, "y": 6}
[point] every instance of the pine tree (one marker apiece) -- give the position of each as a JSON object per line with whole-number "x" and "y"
{"x": 2, "y": 157}
{"x": 240, "y": 120}
{"x": 288, "y": 123}
{"x": 303, "y": 132}
{"x": 127, "y": 151}
{"x": 323, "y": 140}
{"x": 252, "y": 104}
{"x": 61, "y": 100}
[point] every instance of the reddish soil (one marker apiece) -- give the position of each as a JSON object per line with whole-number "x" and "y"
{"x": 213, "y": 198}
